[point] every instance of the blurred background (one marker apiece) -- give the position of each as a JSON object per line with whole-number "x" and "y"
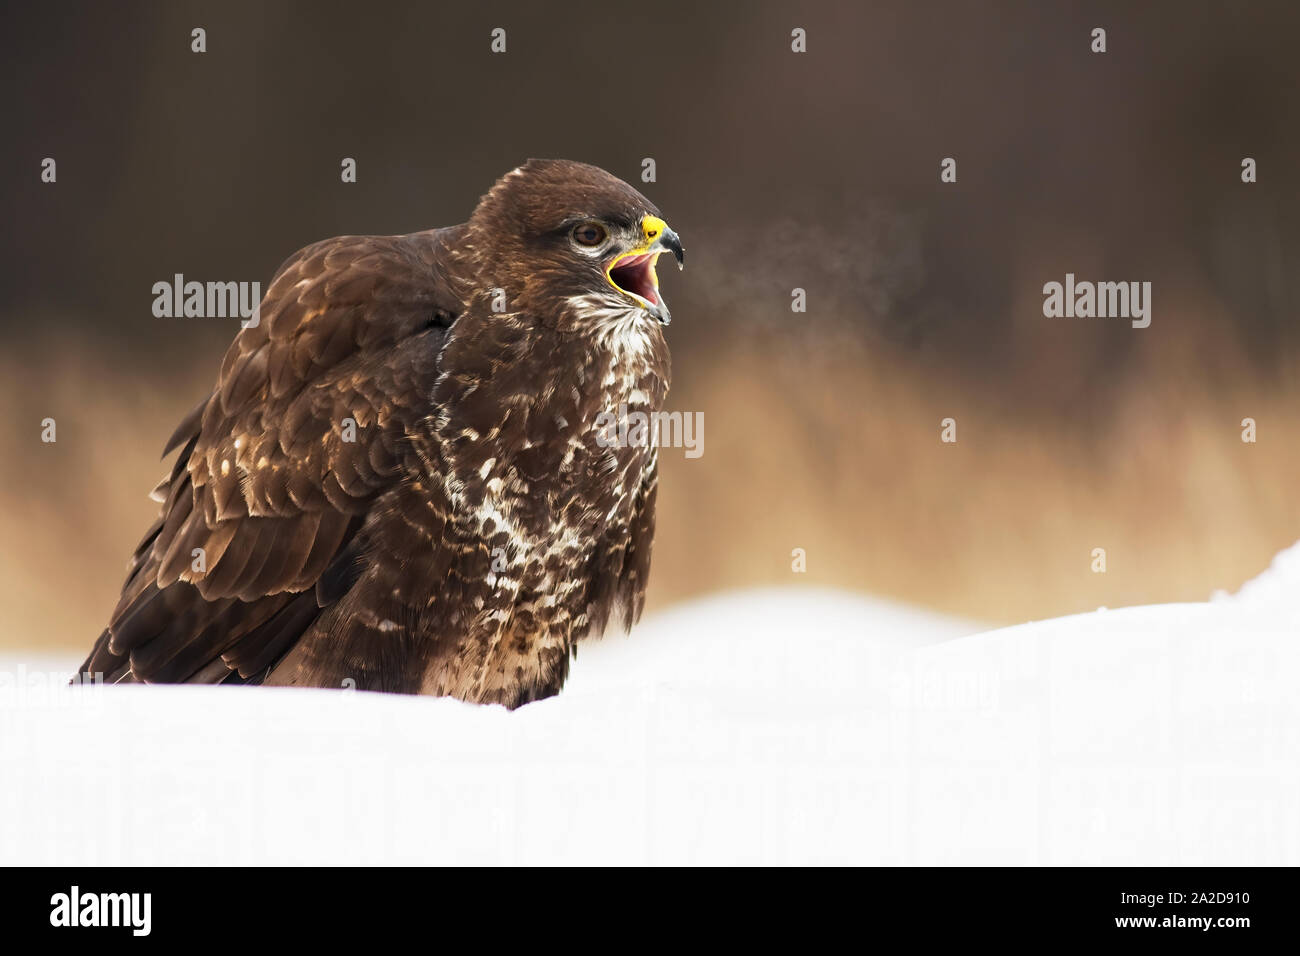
{"x": 780, "y": 170}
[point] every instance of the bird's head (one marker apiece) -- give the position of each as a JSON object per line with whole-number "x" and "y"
{"x": 571, "y": 246}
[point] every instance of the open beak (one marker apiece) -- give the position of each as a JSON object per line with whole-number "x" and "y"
{"x": 633, "y": 272}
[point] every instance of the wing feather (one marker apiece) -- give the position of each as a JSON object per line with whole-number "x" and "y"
{"x": 265, "y": 482}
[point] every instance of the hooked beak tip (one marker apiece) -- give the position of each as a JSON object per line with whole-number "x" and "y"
{"x": 673, "y": 243}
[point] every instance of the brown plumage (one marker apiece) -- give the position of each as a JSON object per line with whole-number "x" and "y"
{"x": 476, "y": 527}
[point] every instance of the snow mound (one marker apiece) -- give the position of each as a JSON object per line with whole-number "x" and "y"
{"x": 1278, "y": 588}
{"x": 762, "y": 727}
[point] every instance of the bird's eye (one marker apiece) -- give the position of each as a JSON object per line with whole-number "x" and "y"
{"x": 589, "y": 234}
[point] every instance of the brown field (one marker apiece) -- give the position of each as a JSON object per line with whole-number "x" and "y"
{"x": 840, "y": 457}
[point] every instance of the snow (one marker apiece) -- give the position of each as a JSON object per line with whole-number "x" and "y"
{"x": 1277, "y": 590}
{"x": 787, "y": 726}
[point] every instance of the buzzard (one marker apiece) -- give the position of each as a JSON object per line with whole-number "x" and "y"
{"x": 398, "y": 483}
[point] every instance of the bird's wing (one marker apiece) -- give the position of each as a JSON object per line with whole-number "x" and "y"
{"x": 280, "y": 466}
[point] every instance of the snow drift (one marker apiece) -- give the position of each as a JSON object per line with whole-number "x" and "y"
{"x": 788, "y": 726}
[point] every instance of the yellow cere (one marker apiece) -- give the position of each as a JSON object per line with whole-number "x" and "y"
{"x": 652, "y": 227}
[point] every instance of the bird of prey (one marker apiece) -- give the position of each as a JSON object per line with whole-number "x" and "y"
{"x": 398, "y": 483}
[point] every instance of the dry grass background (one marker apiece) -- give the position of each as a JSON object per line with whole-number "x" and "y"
{"x": 999, "y": 526}
{"x": 839, "y": 456}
